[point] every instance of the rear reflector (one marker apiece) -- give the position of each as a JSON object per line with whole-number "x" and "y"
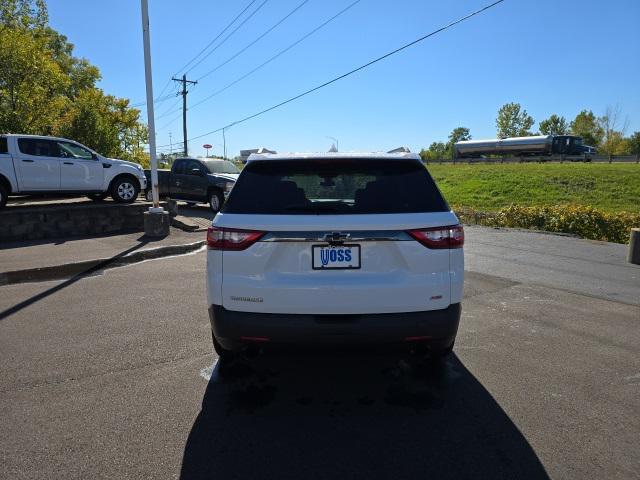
{"x": 255, "y": 339}
{"x": 440, "y": 237}
{"x": 417, "y": 339}
{"x": 231, "y": 238}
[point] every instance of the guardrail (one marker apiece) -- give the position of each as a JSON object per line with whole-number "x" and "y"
{"x": 544, "y": 159}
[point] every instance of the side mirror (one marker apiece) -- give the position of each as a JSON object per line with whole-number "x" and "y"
{"x": 197, "y": 172}
{"x": 94, "y": 156}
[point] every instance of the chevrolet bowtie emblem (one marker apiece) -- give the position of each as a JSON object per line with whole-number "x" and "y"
{"x": 336, "y": 237}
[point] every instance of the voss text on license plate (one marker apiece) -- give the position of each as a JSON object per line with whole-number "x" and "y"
{"x": 335, "y": 257}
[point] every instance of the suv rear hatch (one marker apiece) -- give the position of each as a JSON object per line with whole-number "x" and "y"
{"x": 335, "y": 236}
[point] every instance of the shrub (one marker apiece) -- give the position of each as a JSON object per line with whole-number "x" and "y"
{"x": 586, "y": 222}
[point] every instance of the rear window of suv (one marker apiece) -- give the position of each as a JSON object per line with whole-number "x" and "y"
{"x": 334, "y": 186}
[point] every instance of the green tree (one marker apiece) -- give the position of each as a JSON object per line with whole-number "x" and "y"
{"x": 613, "y": 128}
{"x": 106, "y": 124}
{"x": 436, "y": 151}
{"x": 586, "y": 126}
{"x": 32, "y": 16}
{"x": 554, "y": 125}
{"x": 32, "y": 84}
{"x": 81, "y": 73}
{"x": 458, "y": 135}
{"x": 45, "y": 90}
{"x": 513, "y": 121}
{"x": 634, "y": 143}
{"x": 26, "y": 14}
{"x": 615, "y": 144}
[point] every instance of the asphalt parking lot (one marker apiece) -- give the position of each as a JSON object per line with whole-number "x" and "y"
{"x": 113, "y": 376}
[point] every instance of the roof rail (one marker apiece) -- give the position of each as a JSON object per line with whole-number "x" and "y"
{"x": 400, "y": 150}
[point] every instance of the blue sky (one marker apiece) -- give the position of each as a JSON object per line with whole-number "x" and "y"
{"x": 550, "y": 56}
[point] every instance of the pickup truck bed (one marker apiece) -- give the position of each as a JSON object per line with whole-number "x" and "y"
{"x": 164, "y": 175}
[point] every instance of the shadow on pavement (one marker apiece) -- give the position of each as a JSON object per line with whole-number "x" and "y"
{"x": 89, "y": 271}
{"x": 69, "y": 238}
{"x": 353, "y": 416}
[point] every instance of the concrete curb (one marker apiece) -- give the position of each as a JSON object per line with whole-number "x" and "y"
{"x": 88, "y": 267}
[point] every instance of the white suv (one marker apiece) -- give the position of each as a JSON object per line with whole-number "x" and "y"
{"x": 335, "y": 249}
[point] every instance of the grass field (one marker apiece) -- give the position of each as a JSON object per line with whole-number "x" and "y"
{"x": 488, "y": 187}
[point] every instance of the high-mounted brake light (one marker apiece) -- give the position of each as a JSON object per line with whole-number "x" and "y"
{"x": 231, "y": 238}
{"x": 439, "y": 237}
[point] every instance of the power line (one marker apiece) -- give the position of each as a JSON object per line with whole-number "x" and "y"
{"x": 281, "y": 52}
{"x": 351, "y": 72}
{"x": 170, "y": 122}
{"x": 216, "y": 38}
{"x": 166, "y": 85}
{"x": 158, "y": 99}
{"x": 169, "y": 110}
{"x": 227, "y": 37}
{"x": 298, "y": 7}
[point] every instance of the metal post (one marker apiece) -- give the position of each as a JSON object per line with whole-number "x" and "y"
{"x": 156, "y": 220}
{"x": 150, "y": 113}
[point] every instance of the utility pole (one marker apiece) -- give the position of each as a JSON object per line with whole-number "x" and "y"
{"x": 184, "y": 92}
{"x": 224, "y": 140}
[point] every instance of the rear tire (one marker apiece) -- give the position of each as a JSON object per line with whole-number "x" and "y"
{"x": 125, "y": 189}
{"x": 4, "y": 196}
{"x": 148, "y": 195}
{"x": 215, "y": 200}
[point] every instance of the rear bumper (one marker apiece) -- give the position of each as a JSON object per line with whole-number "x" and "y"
{"x": 235, "y": 329}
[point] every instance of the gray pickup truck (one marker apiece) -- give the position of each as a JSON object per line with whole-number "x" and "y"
{"x": 196, "y": 180}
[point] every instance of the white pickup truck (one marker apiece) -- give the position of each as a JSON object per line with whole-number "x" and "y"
{"x": 34, "y": 165}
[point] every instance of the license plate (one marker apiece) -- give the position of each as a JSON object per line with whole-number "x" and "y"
{"x": 327, "y": 257}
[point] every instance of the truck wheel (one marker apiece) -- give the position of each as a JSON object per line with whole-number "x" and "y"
{"x": 4, "y": 195}
{"x": 98, "y": 197}
{"x": 148, "y": 195}
{"x": 124, "y": 190}
{"x": 215, "y": 200}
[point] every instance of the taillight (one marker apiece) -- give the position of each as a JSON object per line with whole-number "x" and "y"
{"x": 440, "y": 237}
{"x": 231, "y": 238}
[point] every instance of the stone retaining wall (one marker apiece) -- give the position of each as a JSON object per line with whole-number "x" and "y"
{"x": 58, "y": 221}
